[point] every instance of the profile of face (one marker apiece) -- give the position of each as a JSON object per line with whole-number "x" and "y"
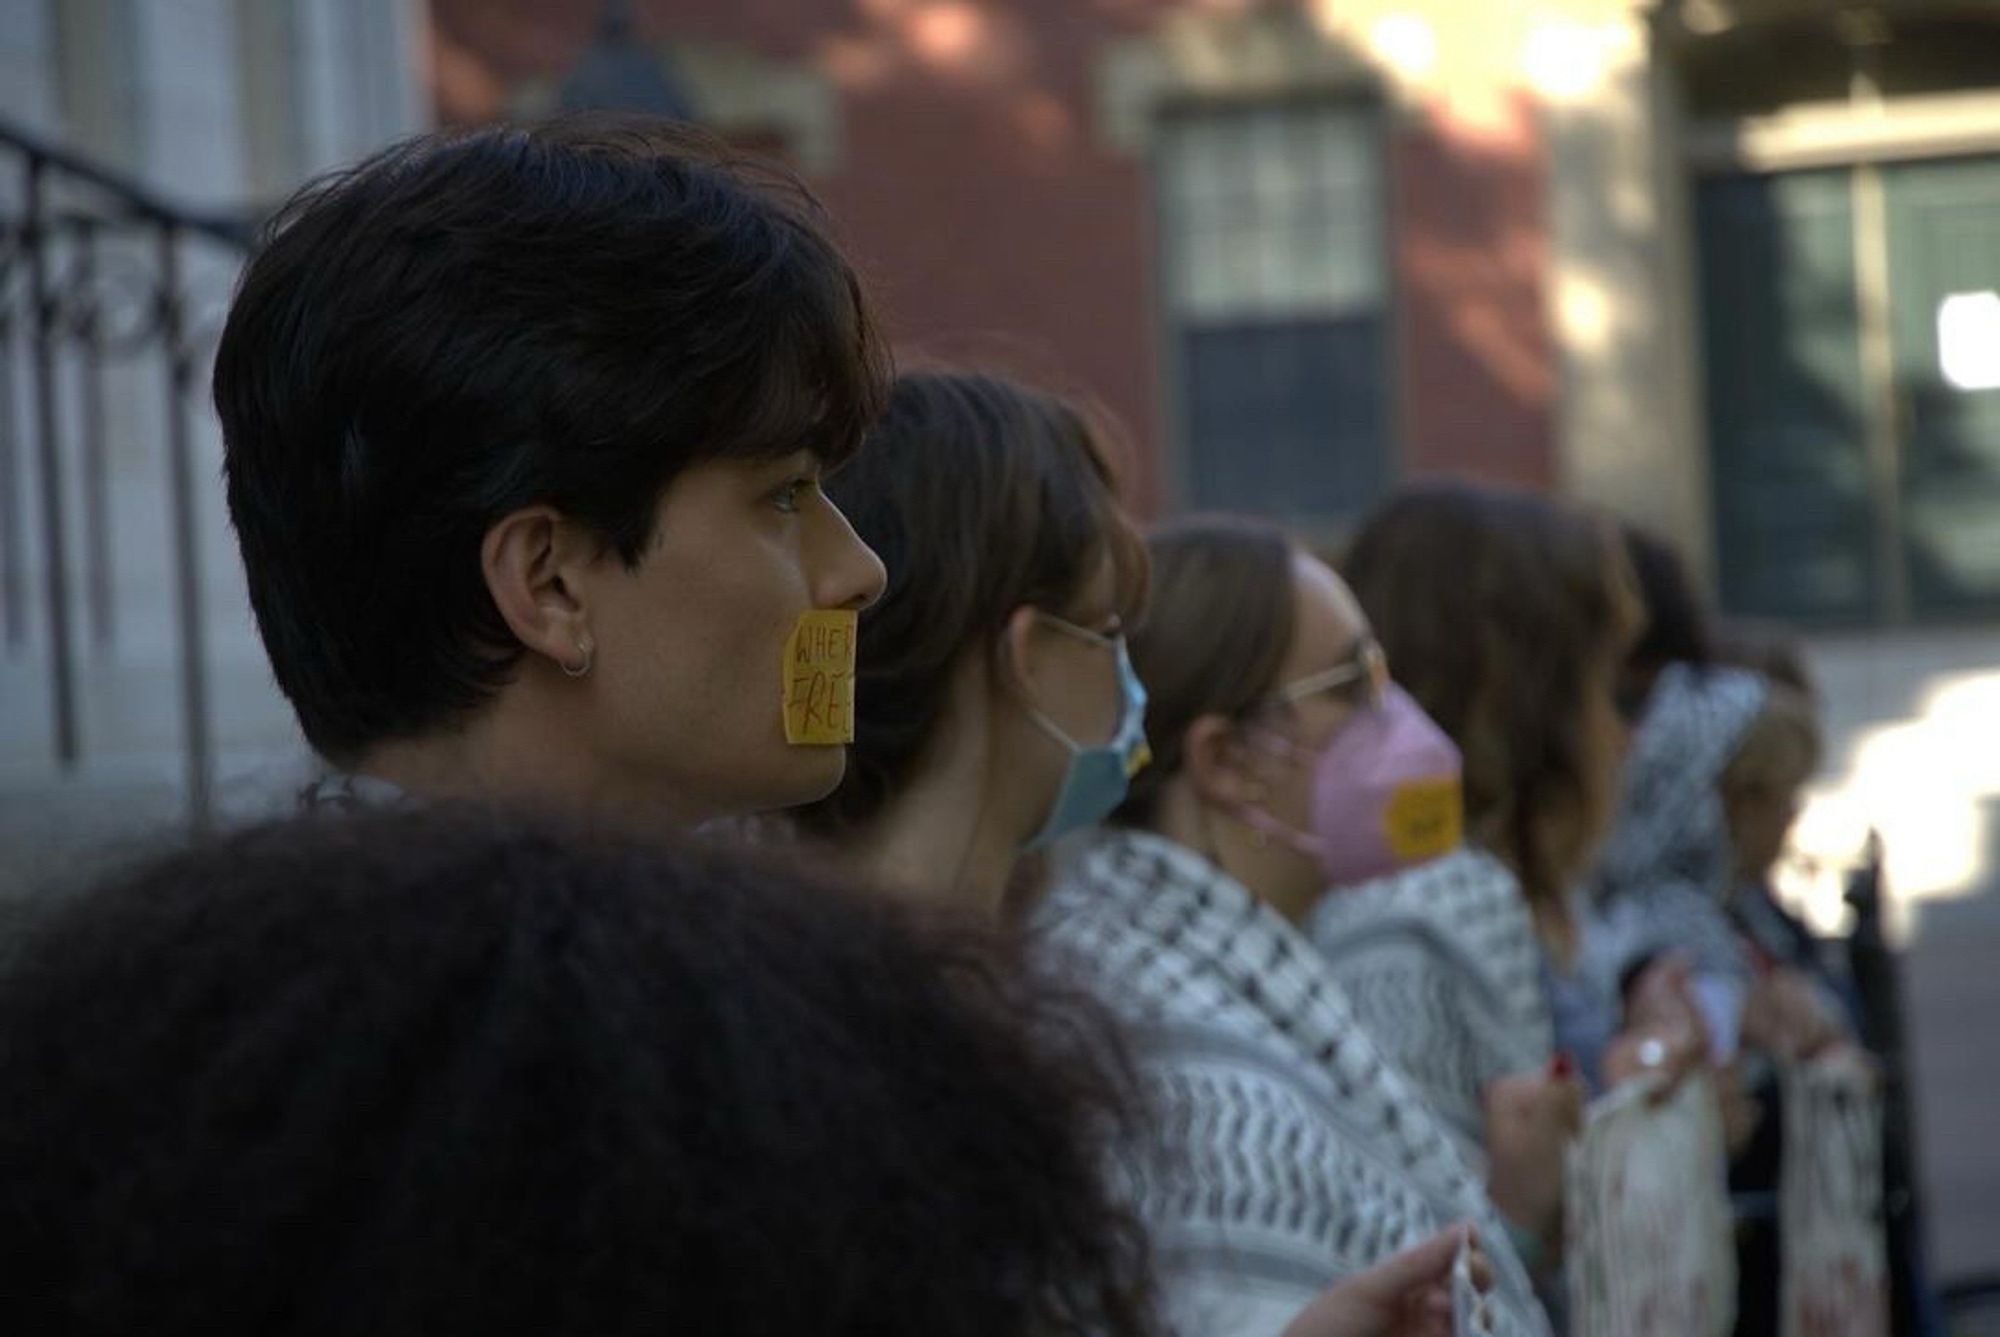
{"x": 1063, "y": 667}
{"x": 1763, "y": 786}
{"x": 1331, "y": 672}
{"x": 1761, "y": 817}
{"x": 685, "y": 693}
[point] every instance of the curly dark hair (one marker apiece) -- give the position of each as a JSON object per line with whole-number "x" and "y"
{"x": 457, "y": 1071}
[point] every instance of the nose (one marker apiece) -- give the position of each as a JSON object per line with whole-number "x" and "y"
{"x": 850, "y": 575}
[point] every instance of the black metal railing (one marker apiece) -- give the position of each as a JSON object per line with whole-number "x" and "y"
{"x": 94, "y": 272}
{"x": 1877, "y": 972}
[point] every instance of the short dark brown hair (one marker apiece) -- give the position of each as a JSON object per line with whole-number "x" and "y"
{"x": 1214, "y": 639}
{"x": 1494, "y": 607}
{"x": 982, "y": 496}
{"x": 472, "y": 322}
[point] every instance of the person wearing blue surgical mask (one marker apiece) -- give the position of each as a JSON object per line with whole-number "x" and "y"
{"x": 1099, "y": 775}
{"x": 996, "y": 708}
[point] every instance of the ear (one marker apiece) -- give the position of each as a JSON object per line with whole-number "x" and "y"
{"x": 1217, "y": 765}
{"x": 533, "y": 561}
{"x": 1018, "y": 641}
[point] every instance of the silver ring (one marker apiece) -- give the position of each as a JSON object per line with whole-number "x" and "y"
{"x": 1652, "y": 1052}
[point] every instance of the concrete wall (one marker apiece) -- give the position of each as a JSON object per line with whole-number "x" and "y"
{"x": 177, "y": 94}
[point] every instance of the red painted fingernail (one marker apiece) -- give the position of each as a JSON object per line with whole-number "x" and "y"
{"x": 1562, "y": 1067}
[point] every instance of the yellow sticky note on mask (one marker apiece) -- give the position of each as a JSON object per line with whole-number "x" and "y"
{"x": 1424, "y": 819}
{"x": 1141, "y": 758}
{"x": 819, "y": 678}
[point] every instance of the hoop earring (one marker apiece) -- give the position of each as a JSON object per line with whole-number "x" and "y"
{"x": 589, "y": 653}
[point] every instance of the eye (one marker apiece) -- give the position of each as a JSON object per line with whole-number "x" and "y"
{"x": 792, "y": 492}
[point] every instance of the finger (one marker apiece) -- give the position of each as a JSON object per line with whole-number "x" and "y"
{"x": 1682, "y": 1062}
{"x": 1569, "y": 1100}
{"x": 1436, "y": 1312}
{"x": 1421, "y": 1264}
{"x": 1669, "y": 974}
{"x": 1513, "y": 1094}
{"x": 1482, "y": 1271}
{"x": 1671, "y": 1073}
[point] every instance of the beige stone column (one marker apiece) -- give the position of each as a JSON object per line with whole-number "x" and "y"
{"x": 1630, "y": 418}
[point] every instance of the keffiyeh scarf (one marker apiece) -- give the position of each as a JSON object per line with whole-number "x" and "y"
{"x": 1441, "y": 965}
{"x": 1663, "y": 881}
{"x": 1296, "y": 1154}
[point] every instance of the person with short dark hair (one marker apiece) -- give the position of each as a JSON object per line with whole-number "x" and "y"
{"x": 441, "y": 1070}
{"x": 523, "y": 434}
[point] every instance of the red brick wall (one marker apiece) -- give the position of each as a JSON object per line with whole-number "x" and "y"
{"x": 992, "y": 224}
{"x": 1473, "y": 345}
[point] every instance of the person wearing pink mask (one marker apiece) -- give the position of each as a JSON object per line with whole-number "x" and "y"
{"x": 1430, "y": 937}
{"x": 1309, "y": 1149}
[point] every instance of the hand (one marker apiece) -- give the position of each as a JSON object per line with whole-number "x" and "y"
{"x": 1672, "y": 1053}
{"x": 1742, "y": 1112}
{"x": 1406, "y": 1295}
{"x": 1531, "y": 1118}
{"x": 1661, "y": 1000}
{"x": 1785, "y": 1015}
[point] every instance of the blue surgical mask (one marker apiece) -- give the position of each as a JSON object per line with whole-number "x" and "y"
{"x": 1098, "y": 777}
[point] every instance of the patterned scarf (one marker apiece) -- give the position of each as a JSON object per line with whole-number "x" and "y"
{"x": 1441, "y": 965}
{"x": 1295, "y": 1154}
{"x": 1663, "y": 880}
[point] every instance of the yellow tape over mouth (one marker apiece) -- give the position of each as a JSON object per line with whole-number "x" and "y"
{"x": 1424, "y": 819}
{"x": 819, "y": 678}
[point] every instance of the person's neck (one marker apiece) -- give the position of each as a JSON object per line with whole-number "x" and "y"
{"x": 929, "y": 851}
{"x": 511, "y": 755}
{"x": 942, "y": 841}
{"x": 1267, "y": 869}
